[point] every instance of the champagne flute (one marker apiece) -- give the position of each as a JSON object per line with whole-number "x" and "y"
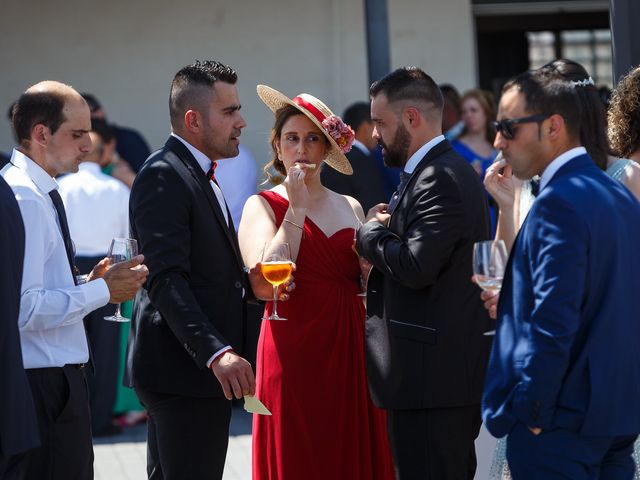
{"x": 121, "y": 250}
{"x": 363, "y": 290}
{"x": 489, "y": 262}
{"x": 276, "y": 267}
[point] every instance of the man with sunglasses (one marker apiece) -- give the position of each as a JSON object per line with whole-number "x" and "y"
{"x": 563, "y": 377}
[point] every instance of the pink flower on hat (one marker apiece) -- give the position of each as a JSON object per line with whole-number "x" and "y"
{"x": 342, "y": 133}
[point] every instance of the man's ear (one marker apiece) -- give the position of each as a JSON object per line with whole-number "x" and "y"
{"x": 192, "y": 121}
{"x": 555, "y": 125}
{"x": 40, "y": 134}
{"x": 411, "y": 116}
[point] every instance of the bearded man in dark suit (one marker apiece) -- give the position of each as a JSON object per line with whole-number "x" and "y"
{"x": 426, "y": 354}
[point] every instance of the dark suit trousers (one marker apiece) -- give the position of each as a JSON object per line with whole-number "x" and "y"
{"x": 11, "y": 467}
{"x": 560, "y": 454}
{"x": 187, "y": 437}
{"x": 104, "y": 339}
{"x": 434, "y": 444}
{"x": 61, "y": 399}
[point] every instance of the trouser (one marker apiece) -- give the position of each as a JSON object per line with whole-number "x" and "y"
{"x": 561, "y": 454}
{"x": 435, "y": 443}
{"x": 104, "y": 340}
{"x": 11, "y": 467}
{"x": 61, "y": 400}
{"x": 187, "y": 437}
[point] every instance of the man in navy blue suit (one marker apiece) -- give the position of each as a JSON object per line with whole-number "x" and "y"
{"x": 18, "y": 425}
{"x": 564, "y": 375}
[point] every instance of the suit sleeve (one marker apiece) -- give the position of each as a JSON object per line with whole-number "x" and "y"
{"x": 160, "y": 215}
{"x": 558, "y": 256}
{"x": 433, "y": 227}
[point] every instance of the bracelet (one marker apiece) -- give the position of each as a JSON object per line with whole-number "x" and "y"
{"x": 294, "y": 224}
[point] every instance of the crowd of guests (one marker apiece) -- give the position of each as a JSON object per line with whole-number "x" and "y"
{"x": 392, "y": 196}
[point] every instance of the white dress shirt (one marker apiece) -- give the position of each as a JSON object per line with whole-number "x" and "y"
{"x": 237, "y": 179}
{"x": 557, "y": 163}
{"x": 97, "y": 207}
{"x": 51, "y": 306}
{"x": 414, "y": 160}
{"x": 205, "y": 164}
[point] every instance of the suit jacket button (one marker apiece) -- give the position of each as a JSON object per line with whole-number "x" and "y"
{"x": 238, "y": 285}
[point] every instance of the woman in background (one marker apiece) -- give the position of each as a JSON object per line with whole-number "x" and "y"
{"x": 624, "y": 131}
{"x": 475, "y": 143}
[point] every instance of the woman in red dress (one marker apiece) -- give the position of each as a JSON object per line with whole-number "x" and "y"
{"x": 311, "y": 367}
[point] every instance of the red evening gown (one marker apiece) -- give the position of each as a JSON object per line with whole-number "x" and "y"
{"x": 311, "y": 372}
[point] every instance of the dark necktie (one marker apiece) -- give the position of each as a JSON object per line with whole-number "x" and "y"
{"x": 211, "y": 174}
{"x": 64, "y": 226}
{"x": 535, "y": 186}
{"x": 68, "y": 245}
{"x": 404, "y": 179}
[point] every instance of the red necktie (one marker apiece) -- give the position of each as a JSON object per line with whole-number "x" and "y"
{"x": 211, "y": 173}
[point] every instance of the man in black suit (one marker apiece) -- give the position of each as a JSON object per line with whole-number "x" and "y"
{"x": 365, "y": 185}
{"x": 18, "y": 424}
{"x": 426, "y": 354}
{"x": 189, "y": 319}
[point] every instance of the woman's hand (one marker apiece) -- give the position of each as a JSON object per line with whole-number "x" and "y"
{"x": 296, "y": 189}
{"x": 499, "y": 182}
{"x": 263, "y": 290}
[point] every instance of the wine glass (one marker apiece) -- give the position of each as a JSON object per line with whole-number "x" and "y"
{"x": 363, "y": 290}
{"x": 489, "y": 262}
{"x": 121, "y": 250}
{"x": 276, "y": 267}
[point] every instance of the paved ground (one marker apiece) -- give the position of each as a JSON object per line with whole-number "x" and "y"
{"x": 124, "y": 457}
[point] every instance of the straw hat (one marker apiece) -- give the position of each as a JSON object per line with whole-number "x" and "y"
{"x": 322, "y": 117}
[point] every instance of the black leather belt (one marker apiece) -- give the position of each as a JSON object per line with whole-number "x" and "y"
{"x": 79, "y": 366}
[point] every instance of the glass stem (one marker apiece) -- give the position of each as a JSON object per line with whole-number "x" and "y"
{"x": 275, "y": 301}
{"x": 117, "y": 314}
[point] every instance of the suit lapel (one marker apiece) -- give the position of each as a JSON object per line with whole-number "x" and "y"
{"x": 200, "y": 178}
{"x": 436, "y": 151}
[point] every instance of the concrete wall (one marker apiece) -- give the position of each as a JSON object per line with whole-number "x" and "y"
{"x": 127, "y": 52}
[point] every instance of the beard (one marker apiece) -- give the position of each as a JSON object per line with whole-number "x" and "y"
{"x": 395, "y": 154}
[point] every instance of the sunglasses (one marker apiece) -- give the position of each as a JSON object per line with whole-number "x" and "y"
{"x": 505, "y": 127}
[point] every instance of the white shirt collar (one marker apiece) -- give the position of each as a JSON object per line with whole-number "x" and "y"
{"x": 45, "y": 182}
{"x": 205, "y": 164}
{"x": 558, "y": 162}
{"x": 201, "y": 158}
{"x": 91, "y": 167}
{"x": 413, "y": 161}
{"x": 361, "y": 146}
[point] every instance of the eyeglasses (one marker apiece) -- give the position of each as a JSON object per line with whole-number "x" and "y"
{"x": 505, "y": 127}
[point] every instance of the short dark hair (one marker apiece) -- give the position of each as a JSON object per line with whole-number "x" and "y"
{"x": 186, "y": 87}
{"x": 356, "y": 114}
{"x": 546, "y": 92}
{"x": 451, "y": 94}
{"x": 92, "y": 101}
{"x": 33, "y": 108}
{"x": 103, "y": 129}
{"x": 408, "y": 83}
{"x": 593, "y": 124}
